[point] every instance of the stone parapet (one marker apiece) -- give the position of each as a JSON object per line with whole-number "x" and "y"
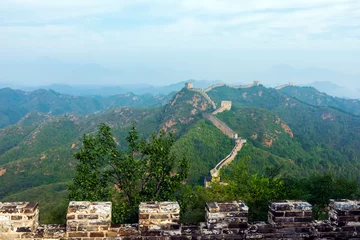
{"x": 19, "y": 216}
{"x": 226, "y": 216}
{"x": 160, "y": 221}
{"x": 160, "y": 216}
{"x": 290, "y": 213}
{"x": 88, "y": 219}
{"x": 345, "y": 212}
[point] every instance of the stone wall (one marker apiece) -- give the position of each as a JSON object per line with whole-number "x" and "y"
{"x": 204, "y": 95}
{"x": 225, "y": 106}
{"x": 214, "y": 173}
{"x": 285, "y": 85}
{"x": 160, "y": 221}
{"x": 188, "y": 85}
{"x": 221, "y": 126}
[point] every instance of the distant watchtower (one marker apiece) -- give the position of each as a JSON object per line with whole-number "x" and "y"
{"x": 188, "y": 85}
{"x": 257, "y": 83}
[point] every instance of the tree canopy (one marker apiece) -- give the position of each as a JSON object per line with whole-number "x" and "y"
{"x": 145, "y": 171}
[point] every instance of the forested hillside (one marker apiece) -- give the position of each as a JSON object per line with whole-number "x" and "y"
{"x": 314, "y": 97}
{"x": 325, "y": 138}
{"x": 282, "y": 133}
{"x": 15, "y": 104}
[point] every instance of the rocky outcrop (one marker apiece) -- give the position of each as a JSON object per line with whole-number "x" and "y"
{"x": 204, "y": 95}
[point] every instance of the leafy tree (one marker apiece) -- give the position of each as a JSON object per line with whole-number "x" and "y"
{"x": 318, "y": 189}
{"x": 90, "y": 181}
{"x": 146, "y": 171}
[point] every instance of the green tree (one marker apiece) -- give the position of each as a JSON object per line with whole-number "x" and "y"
{"x": 90, "y": 181}
{"x": 146, "y": 171}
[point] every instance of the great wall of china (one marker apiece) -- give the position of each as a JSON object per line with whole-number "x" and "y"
{"x": 287, "y": 220}
{"x": 225, "y": 105}
{"x": 239, "y": 142}
{"x": 285, "y": 85}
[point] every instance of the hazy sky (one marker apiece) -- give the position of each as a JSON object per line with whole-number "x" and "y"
{"x": 164, "y": 41}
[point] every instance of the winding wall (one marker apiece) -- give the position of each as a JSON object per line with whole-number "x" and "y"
{"x": 221, "y": 126}
{"x": 255, "y": 83}
{"x": 204, "y": 95}
{"x": 239, "y": 142}
{"x": 285, "y": 85}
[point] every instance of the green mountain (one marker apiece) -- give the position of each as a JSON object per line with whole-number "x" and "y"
{"x": 15, "y": 104}
{"x": 281, "y": 131}
{"x": 324, "y": 138}
{"x": 314, "y": 97}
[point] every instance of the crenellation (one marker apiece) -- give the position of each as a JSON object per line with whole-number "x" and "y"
{"x": 159, "y": 216}
{"x": 288, "y": 219}
{"x": 19, "y": 217}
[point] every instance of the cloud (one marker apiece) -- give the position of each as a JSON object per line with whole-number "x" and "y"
{"x": 115, "y": 26}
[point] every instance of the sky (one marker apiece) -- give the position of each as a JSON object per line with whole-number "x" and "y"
{"x": 165, "y": 41}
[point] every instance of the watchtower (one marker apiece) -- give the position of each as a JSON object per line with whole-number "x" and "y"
{"x": 257, "y": 83}
{"x": 188, "y": 85}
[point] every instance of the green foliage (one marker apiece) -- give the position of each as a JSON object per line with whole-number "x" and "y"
{"x": 144, "y": 172}
{"x": 325, "y": 139}
{"x": 312, "y": 96}
{"x": 256, "y": 190}
{"x": 15, "y": 104}
{"x": 89, "y": 182}
{"x": 318, "y": 189}
{"x": 52, "y": 201}
{"x": 183, "y": 111}
{"x": 205, "y": 146}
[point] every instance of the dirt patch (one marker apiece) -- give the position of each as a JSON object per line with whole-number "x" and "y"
{"x": 176, "y": 97}
{"x": 203, "y": 106}
{"x": 195, "y": 100}
{"x": 328, "y": 116}
{"x": 170, "y": 123}
{"x": 254, "y": 136}
{"x": 193, "y": 112}
{"x": 277, "y": 121}
{"x": 2, "y": 171}
{"x": 42, "y": 157}
{"x": 267, "y": 142}
{"x": 73, "y": 145}
{"x": 287, "y": 129}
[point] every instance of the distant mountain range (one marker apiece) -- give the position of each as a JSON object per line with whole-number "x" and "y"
{"x": 87, "y": 90}
{"x": 94, "y": 79}
{"x": 15, "y": 104}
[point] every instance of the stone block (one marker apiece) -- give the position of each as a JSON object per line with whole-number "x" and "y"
{"x": 159, "y": 216}
{"x": 287, "y": 212}
{"x": 225, "y": 215}
{"x": 344, "y": 212}
{"x": 19, "y": 216}
{"x": 83, "y": 216}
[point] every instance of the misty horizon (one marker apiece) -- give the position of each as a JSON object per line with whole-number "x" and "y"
{"x": 116, "y": 43}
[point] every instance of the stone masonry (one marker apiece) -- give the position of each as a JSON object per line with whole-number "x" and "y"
{"x": 285, "y": 85}
{"x": 287, "y": 220}
{"x": 291, "y": 220}
{"x": 225, "y": 105}
{"x": 160, "y": 216}
{"x": 88, "y": 219}
{"x": 18, "y": 217}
